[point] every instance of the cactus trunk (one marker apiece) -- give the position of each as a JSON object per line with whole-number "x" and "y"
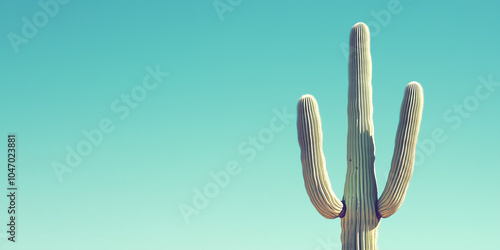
{"x": 360, "y": 210}
{"x": 360, "y": 223}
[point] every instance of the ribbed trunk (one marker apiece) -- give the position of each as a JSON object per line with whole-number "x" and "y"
{"x": 360, "y": 222}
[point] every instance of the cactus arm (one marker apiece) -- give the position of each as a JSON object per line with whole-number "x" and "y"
{"x": 404, "y": 151}
{"x": 316, "y": 178}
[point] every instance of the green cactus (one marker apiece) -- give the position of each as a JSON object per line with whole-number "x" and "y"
{"x": 360, "y": 209}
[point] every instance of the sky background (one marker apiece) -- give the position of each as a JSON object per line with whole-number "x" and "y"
{"x": 229, "y": 77}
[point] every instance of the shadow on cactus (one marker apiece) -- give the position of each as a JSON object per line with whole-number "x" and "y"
{"x": 360, "y": 209}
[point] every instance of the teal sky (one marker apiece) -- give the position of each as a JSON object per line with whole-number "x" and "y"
{"x": 229, "y": 76}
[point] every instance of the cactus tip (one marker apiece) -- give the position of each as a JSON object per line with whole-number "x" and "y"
{"x": 414, "y": 85}
{"x": 360, "y": 24}
{"x": 360, "y": 35}
{"x": 306, "y": 97}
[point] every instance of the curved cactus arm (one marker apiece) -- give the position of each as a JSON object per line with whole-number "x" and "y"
{"x": 404, "y": 151}
{"x": 313, "y": 160}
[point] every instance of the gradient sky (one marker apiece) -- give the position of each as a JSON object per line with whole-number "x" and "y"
{"x": 228, "y": 79}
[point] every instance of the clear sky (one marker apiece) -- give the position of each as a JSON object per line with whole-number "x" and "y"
{"x": 171, "y": 124}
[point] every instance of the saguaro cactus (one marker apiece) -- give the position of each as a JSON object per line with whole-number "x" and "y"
{"x": 360, "y": 209}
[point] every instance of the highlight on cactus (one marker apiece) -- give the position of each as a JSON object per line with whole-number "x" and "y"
{"x": 360, "y": 209}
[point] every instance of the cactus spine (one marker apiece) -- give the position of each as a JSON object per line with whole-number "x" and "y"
{"x": 360, "y": 210}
